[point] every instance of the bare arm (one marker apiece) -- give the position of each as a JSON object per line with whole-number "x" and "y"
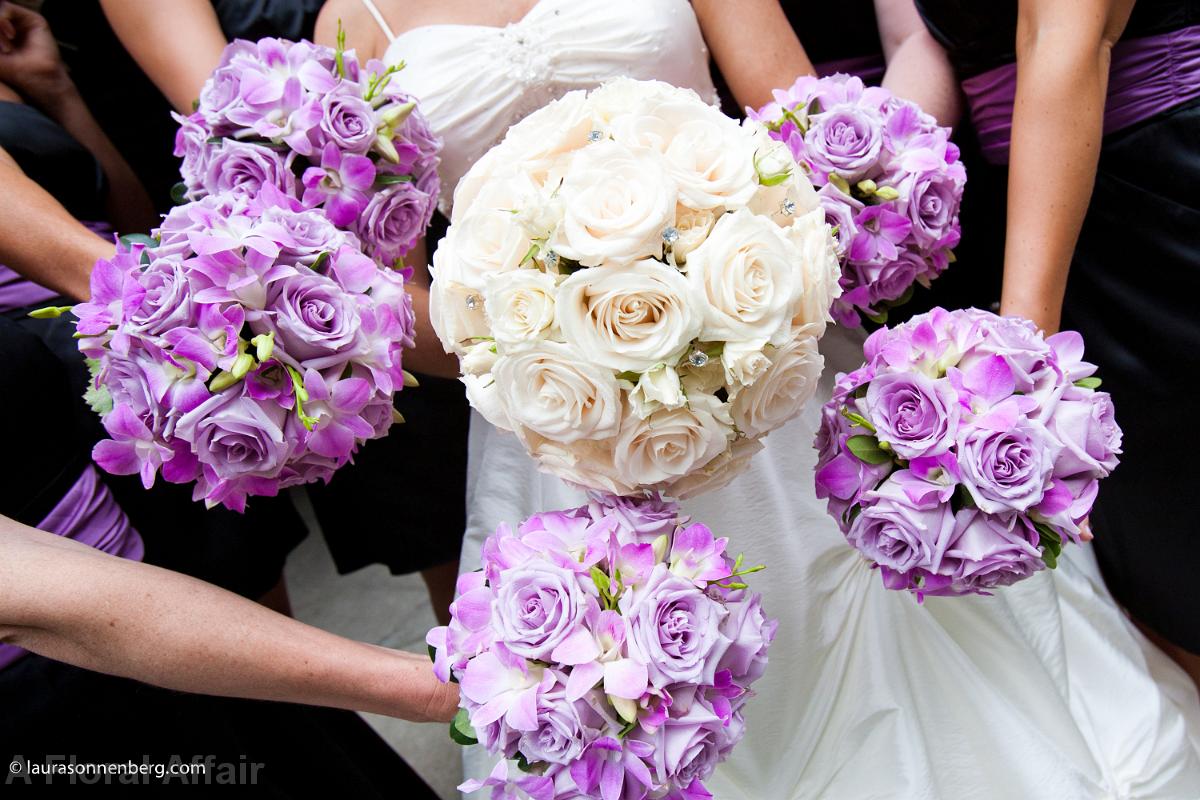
{"x": 70, "y": 602}
{"x": 151, "y": 31}
{"x": 917, "y": 66}
{"x": 30, "y": 63}
{"x": 754, "y": 47}
{"x": 1063, "y": 56}
{"x": 41, "y": 240}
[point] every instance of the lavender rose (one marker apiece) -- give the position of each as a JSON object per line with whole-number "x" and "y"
{"x": 845, "y": 139}
{"x": 894, "y": 532}
{"x": 990, "y": 551}
{"x": 890, "y": 280}
{"x": 247, "y": 167}
{"x": 932, "y": 208}
{"x": 750, "y": 632}
{"x": 1086, "y": 425}
{"x": 686, "y": 748}
{"x": 348, "y": 121}
{"x": 1006, "y": 470}
{"x": 310, "y": 233}
{"x": 914, "y": 414}
{"x": 234, "y": 435}
{"x": 167, "y": 302}
{"x": 561, "y": 734}
{"x": 538, "y": 606}
{"x": 316, "y": 318}
{"x": 394, "y": 218}
{"x": 674, "y": 629}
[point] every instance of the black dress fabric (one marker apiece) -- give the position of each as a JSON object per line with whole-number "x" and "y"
{"x": 244, "y": 553}
{"x": 1131, "y": 293}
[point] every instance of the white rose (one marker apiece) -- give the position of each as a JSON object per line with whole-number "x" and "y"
{"x": 616, "y": 204}
{"x": 717, "y": 473}
{"x": 588, "y": 463}
{"x": 750, "y": 277}
{"x": 782, "y": 390}
{"x": 693, "y": 228}
{"x": 457, "y": 314}
{"x": 628, "y": 318}
{"x": 480, "y": 176}
{"x": 478, "y": 359}
{"x": 743, "y": 362}
{"x": 484, "y": 242}
{"x": 520, "y": 306}
{"x": 485, "y": 398}
{"x": 671, "y": 442}
{"x": 655, "y": 389}
{"x": 539, "y": 140}
{"x": 791, "y": 198}
{"x": 813, "y": 237}
{"x": 618, "y": 97}
{"x": 553, "y": 391}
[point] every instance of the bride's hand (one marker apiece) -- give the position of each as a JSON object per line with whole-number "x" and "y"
{"x": 420, "y": 696}
{"x": 29, "y": 58}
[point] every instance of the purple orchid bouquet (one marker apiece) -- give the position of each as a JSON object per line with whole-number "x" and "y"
{"x": 252, "y": 347}
{"x": 313, "y": 123}
{"x": 966, "y": 451}
{"x": 605, "y": 651}
{"x": 889, "y": 179}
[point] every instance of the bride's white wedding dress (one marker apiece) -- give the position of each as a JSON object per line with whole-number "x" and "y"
{"x": 1042, "y": 691}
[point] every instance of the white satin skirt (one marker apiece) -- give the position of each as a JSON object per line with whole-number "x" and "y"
{"x": 1044, "y": 690}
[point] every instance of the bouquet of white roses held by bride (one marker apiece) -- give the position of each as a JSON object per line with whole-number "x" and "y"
{"x": 635, "y": 285}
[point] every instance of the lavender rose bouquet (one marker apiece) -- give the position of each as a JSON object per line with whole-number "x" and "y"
{"x": 251, "y": 348}
{"x": 311, "y": 122}
{"x": 889, "y": 180}
{"x": 604, "y": 651}
{"x": 966, "y": 451}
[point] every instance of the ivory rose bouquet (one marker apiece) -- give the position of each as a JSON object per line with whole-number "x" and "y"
{"x": 607, "y": 650}
{"x": 252, "y": 347}
{"x": 966, "y": 451}
{"x": 635, "y": 285}
{"x": 313, "y": 123}
{"x": 890, "y": 183}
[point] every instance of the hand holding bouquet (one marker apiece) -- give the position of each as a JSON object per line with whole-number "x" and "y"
{"x": 966, "y": 451}
{"x": 890, "y": 183}
{"x": 252, "y": 348}
{"x": 607, "y": 650}
{"x": 313, "y": 123}
{"x": 635, "y": 285}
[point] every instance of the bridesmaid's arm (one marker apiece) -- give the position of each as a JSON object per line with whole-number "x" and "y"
{"x": 1063, "y": 55}
{"x": 754, "y": 46}
{"x": 69, "y": 602}
{"x": 917, "y": 66}
{"x": 41, "y": 240}
{"x": 178, "y": 63}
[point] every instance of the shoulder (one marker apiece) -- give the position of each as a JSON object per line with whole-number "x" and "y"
{"x": 363, "y": 33}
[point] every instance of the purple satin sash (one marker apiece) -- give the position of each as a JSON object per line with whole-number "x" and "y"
{"x": 1148, "y": 76}
{"x": 89, "y": 514}
{"x": 869, "y": 68}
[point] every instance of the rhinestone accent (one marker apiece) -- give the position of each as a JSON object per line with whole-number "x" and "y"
{"x": 788, "y": 206}
{"x": 670, "y": 235}
{"x": 550, "y": 259}
{"x": 698, "y": 359}
{"x": 595, "y": 136}
{"x": 472, "y": 302}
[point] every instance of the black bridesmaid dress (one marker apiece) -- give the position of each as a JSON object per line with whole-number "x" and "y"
{"x": 1132, "y": 293}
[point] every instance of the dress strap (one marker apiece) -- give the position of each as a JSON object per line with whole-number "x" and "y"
{"x": 387, "y": 30}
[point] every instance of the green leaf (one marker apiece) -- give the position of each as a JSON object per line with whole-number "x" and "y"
{"x": 858, "y": 419}
{"x": 878, "y": 319}
{"x": 629, "y": 375}
{"x": 1088, "y": 383}
{"x": 523, "y": 763}
{"x": 627, "y": 729}
{"x": 904, "y": 298}
{"x": 388, "y": 180}
{"x": 432, "y": 652}
{"x": 97, "y": 396}
{"x": 49, "y": 312}
{"x": 318, "y": 266}
{"x": 179, "y": 193}
{"x": 1051, "y": 544}
{"x": 866, "y": 449}
{"x": 461, "y": 731}
{"x": 600, "y": 578}
{"x": 130, "y": 239}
